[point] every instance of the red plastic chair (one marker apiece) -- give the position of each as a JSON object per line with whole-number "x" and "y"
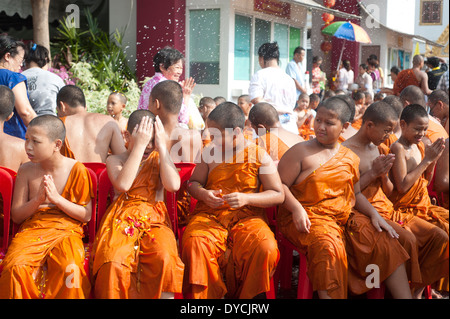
{"x": 96, "y": 167}
{"x": 185, "y": 170}
{"x": 7, "y": 179}
{"x": 105, "y": 195}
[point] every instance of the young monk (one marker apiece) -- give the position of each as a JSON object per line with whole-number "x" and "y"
{"x": 89, "y": 136}
{"x": 397, "y": 105}
{"x": 375, "y": 163}
{"x": 135, "y": 253}
{"x": 245, "y": 104}
{"x": 52, "y": 201}
{"x": 184, "y": 144}
{"x": 228, "y": 234}
{"x": 413, "y": 95}
{"x": 12, "y": 149}
{"x": 272, "y": 136}
{"x": 359, "y": 98}
{"x": 411, "y": 172}
{"x": 115, "y": 106}
{"x": 321, "y": 183}
{"x": 305, "y": 116}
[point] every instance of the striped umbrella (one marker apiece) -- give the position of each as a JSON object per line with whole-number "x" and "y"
{"x": 347, "y": 31}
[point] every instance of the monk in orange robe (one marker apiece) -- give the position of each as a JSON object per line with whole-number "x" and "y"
{"x": 272, "y": 136}
{"x": 414, "y": 76}
{"x": 396, "y": 103}
{"x": 227, "y": 234}
{"x": 411, "y": 172}
{"x": 376, "y": 163}
{"x": 321, "y": 183}
{"x": 135, "y": 252}
{"x": 100, "y": 132}
{"x": 52, "y": 202}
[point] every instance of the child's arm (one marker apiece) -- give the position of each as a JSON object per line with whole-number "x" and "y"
{"x": 169, "y": 175}
{"x": 122, "y": 175}
{"x": 78, "y": 212}
{"x": 196, "y": 184}
{"x": 380, "y": 168}
{"x": 289, "y": 169}
{"x": 404, "y": 180}
{"x": 363, "y": 206}
{"x": 22, "y": 206}
{"x": 117, "y": 144}
{"x": 272, "y": 193}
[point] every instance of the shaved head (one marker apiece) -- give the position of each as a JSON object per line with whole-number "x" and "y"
{"x": 263, "y": 113}
{"x": 52, "y": 125}
{"x": 7, "y": 100}
{"x": 136, "y": 117}
{"x": 412, "y": 95}
{"x": 380, "y": 112}
{"x": 338, "y": 105}
{"x": 228, "y": 115}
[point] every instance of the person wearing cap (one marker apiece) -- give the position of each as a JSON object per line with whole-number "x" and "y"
{"x": 437, "y": 67}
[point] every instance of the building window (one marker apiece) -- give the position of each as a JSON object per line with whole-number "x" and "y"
{"x": 204, "y": 46}
{"x": 430, "y": 12}
{"x": 242, "y": 47}
{"x": 248, "y": 29}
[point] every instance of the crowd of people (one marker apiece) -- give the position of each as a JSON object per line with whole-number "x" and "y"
{"x": 350, "y": 172}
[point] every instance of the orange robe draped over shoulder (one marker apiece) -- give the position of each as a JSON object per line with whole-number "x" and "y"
{"x": 405, "y": 78}
{"x": 433, "y": 237}
{"x": 65, "y": 148}
{"x": 435, "y": 130}
{"x": 236, "y": 242}
{"x": 328, "y": 197}
{"x": 135, "y": 253}
{"x": 45, "y": 258}
{"x": 274, "y": 146}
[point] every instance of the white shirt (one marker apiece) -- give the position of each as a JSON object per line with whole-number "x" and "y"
{"x": 345, "y": 78}
{"x": 275, "y": 87}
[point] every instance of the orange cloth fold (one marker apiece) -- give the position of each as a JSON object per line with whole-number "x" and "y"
{"x": 328, "y": 197}
{"x": 65, "y": 148}
{"x": 135, "y": 253}
{"x": 46, "y": 257}
{"x": 234, "y": 242}
{"x": 405, "y": 78}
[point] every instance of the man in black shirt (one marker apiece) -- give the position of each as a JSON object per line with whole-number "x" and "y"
{"x": 437, "y": 67}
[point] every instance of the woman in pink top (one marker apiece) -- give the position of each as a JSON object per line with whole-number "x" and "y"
{"x": 168, "y": 64}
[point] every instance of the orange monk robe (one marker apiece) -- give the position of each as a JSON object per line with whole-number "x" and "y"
{"x": 236, "y": 242}
{"x": 357, "y": 124}
{"x": 305, "y": 131}
{"x": 376, "y": 196}
{"x": 45, "y": 258}
{"x": 135, "y": 252}
{"x": 416, "y": 203}
{"x": 274, "y": 146}
{"x": 405, "y": 78}
{"x": 328, "y": 196}
{"x": 435, "y": 130}
{"x": 390, "y": 140}
{"x": 65, "y": 148}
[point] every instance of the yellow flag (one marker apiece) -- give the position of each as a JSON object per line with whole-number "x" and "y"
{"x": 416, "y": 50}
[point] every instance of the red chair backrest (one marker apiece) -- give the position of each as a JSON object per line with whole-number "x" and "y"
{"x": 185, "y": 170}
{"x": 92, "y": 225}
{"x": 105, "y": 190}
{"x": 7, "y": 179}
{"x": 96, "y": 167}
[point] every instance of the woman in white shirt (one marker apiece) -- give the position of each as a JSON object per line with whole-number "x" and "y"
{"x": 346, "y": 75}
{"x": 271, "y": 84}
{"x": 364, "y": 80}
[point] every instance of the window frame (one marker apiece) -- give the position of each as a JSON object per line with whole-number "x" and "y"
{"x": 422, "y": 3}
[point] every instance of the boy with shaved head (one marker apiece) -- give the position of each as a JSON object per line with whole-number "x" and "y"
{"x": 227, "y": 234}
{"x": 90, "y": 136}
{"x": 272, "y": 136}
{"x": 411, "y": 172}
{"x": 416, "y": 235}
{"x": 321, "y": 183}
{"x": 135, "y": 248}
{"x": 396, "y": 103}
{"x": 52, "y": 198}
